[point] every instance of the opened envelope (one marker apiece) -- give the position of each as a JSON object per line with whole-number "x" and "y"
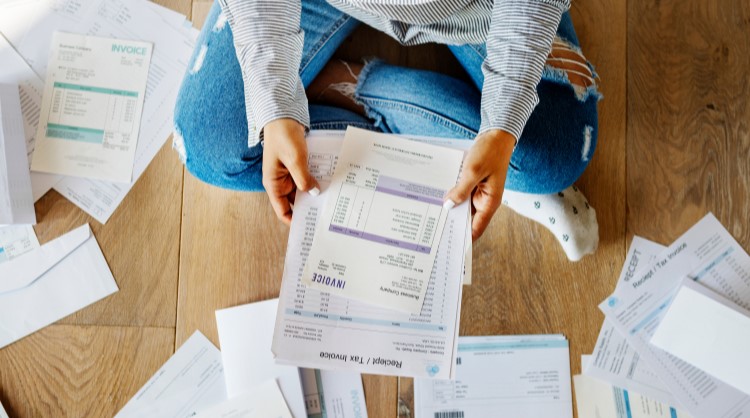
{"x": 51, "y": 282}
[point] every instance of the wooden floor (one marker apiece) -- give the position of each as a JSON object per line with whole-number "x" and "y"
{"x": 674, "y": 143}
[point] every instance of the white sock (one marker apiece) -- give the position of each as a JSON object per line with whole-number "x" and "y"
{"x": 567, "y": 214}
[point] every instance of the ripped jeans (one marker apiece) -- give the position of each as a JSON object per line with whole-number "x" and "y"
{"x": 211, "y": 133}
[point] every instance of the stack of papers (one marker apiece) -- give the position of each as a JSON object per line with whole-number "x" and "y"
{"x": 27, "y": 30}
{"x": 16, "y": 202}
{"x": 705, "y": 277}
{"x": 51, "y": 282}
{"x": 317, "y": 329}
{"x": 502, "y": 376}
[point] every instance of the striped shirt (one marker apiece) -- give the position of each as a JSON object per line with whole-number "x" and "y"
{"x": 518, "y": 34}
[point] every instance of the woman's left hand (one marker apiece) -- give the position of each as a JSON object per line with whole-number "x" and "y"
{"x": 483, "y": 177}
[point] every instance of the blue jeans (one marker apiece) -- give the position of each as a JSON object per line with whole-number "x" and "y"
{"x": 211, "y": 125}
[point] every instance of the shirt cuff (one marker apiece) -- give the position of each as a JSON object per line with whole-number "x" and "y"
{"x": 507, "y": 106}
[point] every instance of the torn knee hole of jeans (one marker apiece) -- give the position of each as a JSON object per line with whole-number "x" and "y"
{"x": 567, "y": 64}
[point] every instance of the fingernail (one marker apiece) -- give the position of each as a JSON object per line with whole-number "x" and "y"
{"x": 449, "y": 204}
{"x": 314, "y": 191}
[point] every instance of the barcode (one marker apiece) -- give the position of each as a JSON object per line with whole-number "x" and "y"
{"x": 450, "y": 414}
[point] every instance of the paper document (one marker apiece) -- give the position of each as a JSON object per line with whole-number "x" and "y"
{"x": 91, "y": 107}
{"x": 597, "y": 399}
{"x": 709, "y": 332}
{"x": 16, "y": 240}
{"x": 51, "y": 282}
{"x": 379, "y": 230}
{"x": 316, "y": 329}
{"x": 614, "y": 360}
{"x": 29, "y": 25}
{"x": 3, "y": 414}
{"x": 16, "y": 199}
{"x": 333, "y": 394}
{"x": 263, "y": 401}
{"x": 15, "y": 71}
{"x": 245, "y": 335}
{"x": 708, "y": 254}
{"x": 502, "y": 376}
{"x": 191, "y": 381}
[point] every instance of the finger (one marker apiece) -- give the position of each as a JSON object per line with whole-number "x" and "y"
{"x": 302, "y": 177}
{"x": 486, "y": 200}
{"x": 462, "y": 191}
{"x": 278, "y": 190}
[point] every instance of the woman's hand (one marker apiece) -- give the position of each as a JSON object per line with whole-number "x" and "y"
{"x": 285, "y": 165}
{"x": 483, "y": 177}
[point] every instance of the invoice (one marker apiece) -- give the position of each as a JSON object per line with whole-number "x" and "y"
{"x": 91, "y": 108}
{"x": 318, "y": 330}
{"x": 378, "y": 234}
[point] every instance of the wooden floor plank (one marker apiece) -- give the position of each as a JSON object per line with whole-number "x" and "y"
{"x": 139, "y": 242}
{"x": 688, "y": 112}
{"x": 80, "y": 371}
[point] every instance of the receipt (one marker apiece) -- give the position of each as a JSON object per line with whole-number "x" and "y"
{"x": 378, "y": 233}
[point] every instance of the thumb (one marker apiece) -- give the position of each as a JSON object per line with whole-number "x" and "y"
{"x": 462, "y": 190}
{"x": 303, "y": 179}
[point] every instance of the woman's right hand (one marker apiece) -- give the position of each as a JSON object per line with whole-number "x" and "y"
{"x": 285, "y": 165}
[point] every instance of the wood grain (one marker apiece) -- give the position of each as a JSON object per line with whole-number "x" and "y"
{"x": 80, "y": 371}
{"x": 139, "y": 242}
{"x": 688, "y": 112}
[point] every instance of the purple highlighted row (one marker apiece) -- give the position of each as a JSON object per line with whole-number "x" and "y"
{"x": 380, "y": 239}
{"x": 413, "y": 191}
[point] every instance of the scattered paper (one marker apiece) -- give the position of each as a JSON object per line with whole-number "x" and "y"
{"x": 16, "y": 240}
{"x": 316, "y": 329}
{"x": 502, "y": 376}
{"x": 112, "y": 19}
{"x": 709, "y": 332}
{"x": 245, "y": 335}
{"x": 598, "y": 399}
{"x": 333, "y": 394}
{"x": 16, "y": 200}
{"x": 191, "y": 381}
{"x": 379, "y": 231}
{"x": 708, "y": 254}
{"x": 91, "y": 107}
{"x": 263, "y": 401}
{"x": 51, "y": 282}
{"x": 614, "y": 360}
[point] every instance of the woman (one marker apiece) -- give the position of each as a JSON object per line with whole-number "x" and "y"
{"x": 243, "y": 110}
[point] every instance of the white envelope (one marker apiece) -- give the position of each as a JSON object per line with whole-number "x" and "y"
{"x": 51, "y": 282}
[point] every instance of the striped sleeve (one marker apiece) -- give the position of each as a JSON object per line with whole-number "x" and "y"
{"x": 518, "y": 42}
{"x": 268, "y": 41}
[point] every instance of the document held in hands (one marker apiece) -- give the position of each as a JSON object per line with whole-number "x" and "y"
{"x": 91, "y": 108}
{"x": 377, "y": 237}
